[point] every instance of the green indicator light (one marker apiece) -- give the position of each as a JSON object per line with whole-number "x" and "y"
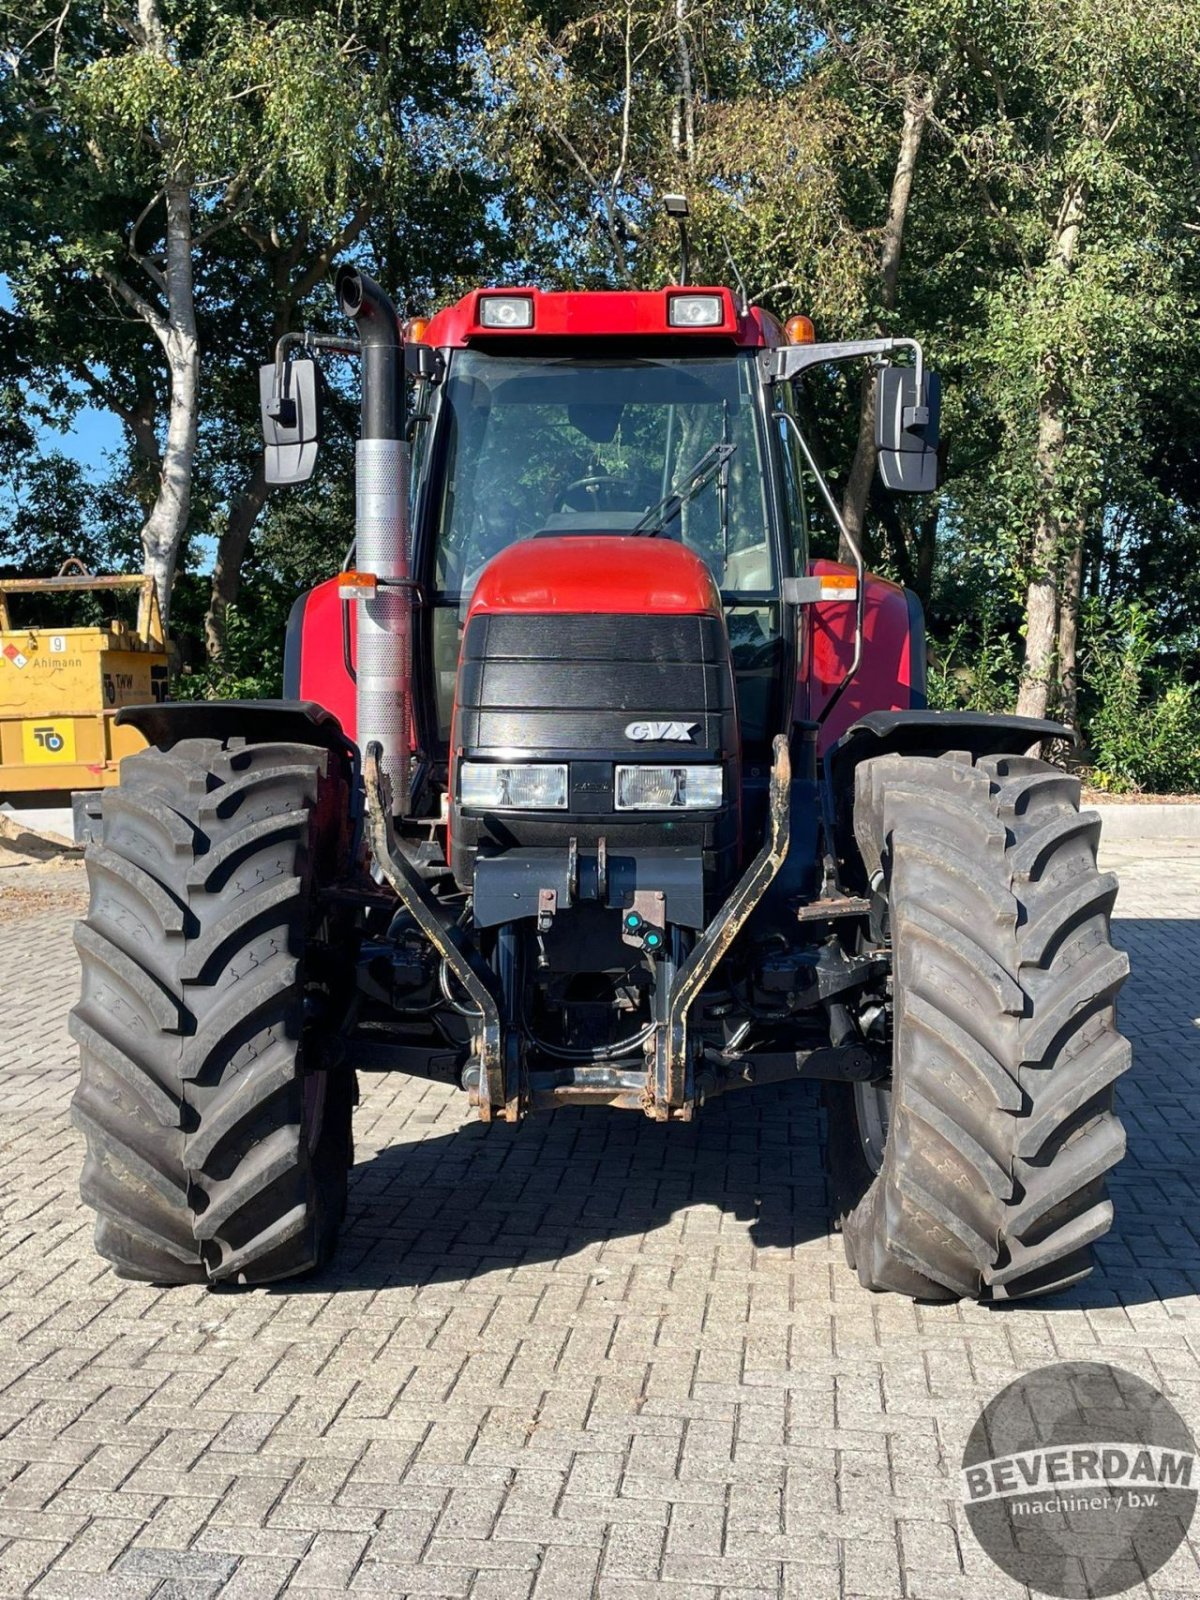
{"x": 653, "y": 940}
{"x": 633, "y": 920}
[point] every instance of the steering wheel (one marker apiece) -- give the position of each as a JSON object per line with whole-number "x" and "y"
{"x": 588, "y": 489}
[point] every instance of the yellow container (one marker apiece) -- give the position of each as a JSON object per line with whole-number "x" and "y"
{"x": 60, "y": 688}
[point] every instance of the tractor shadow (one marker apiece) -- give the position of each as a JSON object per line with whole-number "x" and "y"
{"x": 452, "y": 1206}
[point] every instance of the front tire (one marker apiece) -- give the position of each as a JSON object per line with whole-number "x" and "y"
{"x": 998, "y": 1129}
{"x": 217, "y": 1128}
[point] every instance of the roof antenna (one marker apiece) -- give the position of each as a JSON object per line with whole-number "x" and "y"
{"x": 677, "y": 207}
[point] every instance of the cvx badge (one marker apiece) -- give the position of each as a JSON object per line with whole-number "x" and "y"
{"x": 656, "y": 731}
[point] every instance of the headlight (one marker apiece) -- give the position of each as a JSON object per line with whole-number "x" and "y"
{"x": 695, "y": 311}
{"x": 523, "y": 786}
{"x": 505, "y": 311}
{"x": 669, "y": 788}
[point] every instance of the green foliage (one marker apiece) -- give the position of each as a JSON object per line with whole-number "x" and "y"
{"x": 49, "y": 514}
{"x": 974, "y": 667}
{"x": 251, "y": 667}
{"x": 512, "y": 140}
{"x": 302, "y": 134}
{"x": 1144, "y": 723}
{"x": 302, "y": 539}
{"x": 276, "y": 109}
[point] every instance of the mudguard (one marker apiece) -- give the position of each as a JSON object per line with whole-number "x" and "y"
{"x": 921, "y": 733}
{"x": 255, "y": 721}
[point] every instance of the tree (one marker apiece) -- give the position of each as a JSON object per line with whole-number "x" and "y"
{"x": 186, "y": 142}
{"x": 896, "y": 64}
{"x": 1076, "y": 137}
{"x": 1013, "y": 181}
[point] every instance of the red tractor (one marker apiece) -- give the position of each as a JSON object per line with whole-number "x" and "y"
{"x": 591, "y": 788}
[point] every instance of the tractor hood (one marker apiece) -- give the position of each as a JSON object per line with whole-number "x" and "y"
{"x": 607, "y": 573}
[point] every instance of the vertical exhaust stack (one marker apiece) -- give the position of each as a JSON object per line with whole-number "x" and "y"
{"x": 384, "y": 627}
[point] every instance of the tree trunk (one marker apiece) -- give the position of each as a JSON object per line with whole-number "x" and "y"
{"x": 917, "y": 107}
{"x": 684, "y": 119}
{"x": 1068, "y": 633}
{"x": 1041, "y": 596}
{"x": 925, "y": 536}
{"x": 175, "y": 330}
{"x": 164, "y": 528}
{"x": 227, "y": 568}
{"x": 862, "y": 473}
{"x": 142, "y": 422}
{"x": 1041, "y": 622}
{"x": 1041, "y": 601}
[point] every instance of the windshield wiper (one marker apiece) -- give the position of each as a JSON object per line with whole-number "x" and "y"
{"x": 689, "y": 484}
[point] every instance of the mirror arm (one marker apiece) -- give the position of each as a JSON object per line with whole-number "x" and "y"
{"x": 915, "y": 416}
{"x": 784, "y": 364}
{"x": 789, "y": 361}
{"x": 306, "y": 341}
{"x": 860, "y": 599}
{"x": 826, "y": 492}
{"x": 314, "y": 341}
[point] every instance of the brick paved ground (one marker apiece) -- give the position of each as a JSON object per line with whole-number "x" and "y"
{"x": 591, "y": 1357}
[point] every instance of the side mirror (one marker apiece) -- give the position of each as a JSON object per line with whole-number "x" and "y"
{"x": 291, "y": 420}
{"x": 906, "y": 429}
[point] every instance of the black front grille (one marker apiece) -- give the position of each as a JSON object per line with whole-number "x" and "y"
{"x": 570, "y": 687}
{"x": 560, "y": 683}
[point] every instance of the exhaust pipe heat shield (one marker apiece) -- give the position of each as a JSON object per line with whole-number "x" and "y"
{"x": 384, "y": 653}
{"x": 384, "y": 645}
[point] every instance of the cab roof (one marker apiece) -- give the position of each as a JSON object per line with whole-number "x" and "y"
{"x": 604, "y": 313}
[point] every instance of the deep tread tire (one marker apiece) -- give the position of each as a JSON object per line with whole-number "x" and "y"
{"x": 218, "y": 1140}
{"x": 1006, "y": 1049}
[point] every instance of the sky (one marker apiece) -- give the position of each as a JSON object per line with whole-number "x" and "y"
{"x": 93, "y": 433}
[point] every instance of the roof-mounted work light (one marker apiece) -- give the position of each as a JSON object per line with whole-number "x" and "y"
{"x": 509, "y": 311}
{"x": 695, "y": 310}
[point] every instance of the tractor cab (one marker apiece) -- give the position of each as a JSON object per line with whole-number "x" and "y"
{"x": 534, "y": 426}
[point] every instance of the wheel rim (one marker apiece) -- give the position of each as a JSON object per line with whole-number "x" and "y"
{"x": 873, "y": 1116}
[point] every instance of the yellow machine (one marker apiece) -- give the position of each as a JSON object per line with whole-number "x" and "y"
{"x": 60, "y": 688}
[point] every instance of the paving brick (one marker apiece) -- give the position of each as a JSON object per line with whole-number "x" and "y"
{"x": 871, "y": 1568}
{"x": 502, "y": 1586}
{"x": 481, "y": 1554}
{"x": 639, "y": 1589}
{"x": 280, "y": 1544}
{"x": 412, "y": 1578}
{"x": 567, "y": 1573}
{"x": 176, "y": 1523}
{"x": 633, "y": 1550}
{"x": 192, "y": 1565}
{"x": 725, "y": 1571}
{"x": 330, "y": 1561}
{"x": 589, "y": 1357}
{"x": 24, "y": 1561}
{"x": 258, "y": 1578}
{"x": 63, "y": 1585}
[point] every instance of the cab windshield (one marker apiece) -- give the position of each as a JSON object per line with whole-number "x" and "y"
{"x": 546, "y": 445}
{"x": 538, "y": 446}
